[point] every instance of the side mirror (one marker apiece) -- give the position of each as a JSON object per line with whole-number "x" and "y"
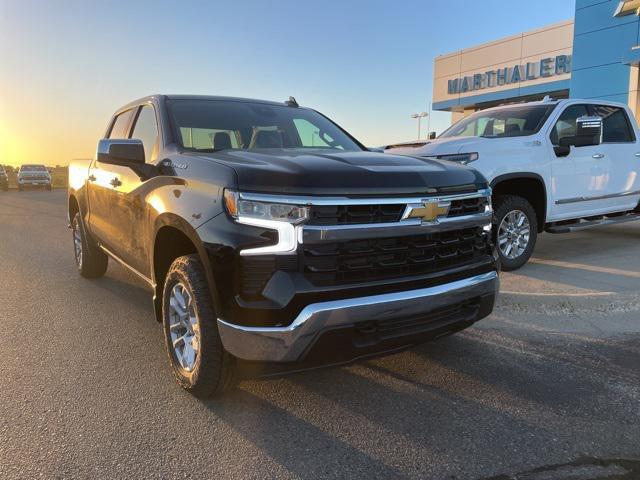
{"x": 588, "y": 134}
{"x": 432, "y": 136}
{"x": 589, "y": 127}
{"x": 123, "y": 152}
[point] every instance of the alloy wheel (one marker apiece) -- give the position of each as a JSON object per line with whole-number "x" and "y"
{"x": 513, "y": 234}
{"x": 184, "y": 329}
{"x": 77, "y": 242}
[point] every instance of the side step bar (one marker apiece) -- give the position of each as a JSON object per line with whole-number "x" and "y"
{"x": 585, "y": 224}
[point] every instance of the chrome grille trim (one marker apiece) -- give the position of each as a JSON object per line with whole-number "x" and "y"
{"x": 324, "y": 201}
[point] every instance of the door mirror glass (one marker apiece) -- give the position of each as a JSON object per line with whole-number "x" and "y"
{"x": 126, "y": 153}
{"x": 432, "y": 135}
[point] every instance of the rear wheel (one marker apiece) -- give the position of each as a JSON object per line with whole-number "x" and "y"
{"x": 198, "y": 360}
{"x": 515, "y": 229}
{"x": 90, "y": 260}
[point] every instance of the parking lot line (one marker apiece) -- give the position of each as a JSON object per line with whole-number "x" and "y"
{"x": 581, "y": 266}
{"x": 559, "y": 294}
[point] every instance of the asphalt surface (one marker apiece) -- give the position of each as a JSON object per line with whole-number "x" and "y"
{"x": 551, "y": 381}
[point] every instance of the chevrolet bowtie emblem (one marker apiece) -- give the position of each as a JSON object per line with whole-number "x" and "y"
{"x": 429, "y": 211}
{"x": 627, "y": 7}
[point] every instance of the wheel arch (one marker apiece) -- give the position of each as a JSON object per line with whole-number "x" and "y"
{"x": 174, "y": 237}
{"x": 530, "y": 186}
{"x": 73, "y": 207}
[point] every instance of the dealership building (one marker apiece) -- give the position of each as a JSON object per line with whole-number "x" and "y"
{"x": 594, "y": 56}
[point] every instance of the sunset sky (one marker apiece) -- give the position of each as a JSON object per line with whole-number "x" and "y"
{"x": 66, "y": 65}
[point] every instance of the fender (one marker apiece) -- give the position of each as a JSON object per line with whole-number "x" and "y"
{"x": 172, "y": 220}
{"x": 526, "y": 175}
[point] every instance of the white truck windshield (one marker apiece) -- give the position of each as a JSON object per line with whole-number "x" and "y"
{"x": 516, "y": 121}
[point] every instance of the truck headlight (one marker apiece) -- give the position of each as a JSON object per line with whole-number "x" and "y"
{"x": 277, "y": 212}
{"x": 285, "y": 219}
{"x": 463, "y": 158}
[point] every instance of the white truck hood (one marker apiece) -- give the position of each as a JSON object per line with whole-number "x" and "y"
{"x": 447, "y": 146}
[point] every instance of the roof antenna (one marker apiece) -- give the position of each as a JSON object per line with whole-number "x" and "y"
{"x": 292, "y": 102}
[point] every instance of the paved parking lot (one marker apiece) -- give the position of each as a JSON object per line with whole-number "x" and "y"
{"x": 550, "y": 381}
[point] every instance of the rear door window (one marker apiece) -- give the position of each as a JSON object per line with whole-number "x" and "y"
{"x": 616, "y": 127}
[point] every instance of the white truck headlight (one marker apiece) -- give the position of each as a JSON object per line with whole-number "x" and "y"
{"x": 463, "y": 158}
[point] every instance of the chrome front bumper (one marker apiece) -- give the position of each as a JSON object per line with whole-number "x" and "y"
{"x": 288, "y": 344}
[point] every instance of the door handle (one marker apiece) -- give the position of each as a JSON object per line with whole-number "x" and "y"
{"x": 637, "y": 154}
{"x": 598, "y": 156}
{"x": 92, "y": 178}
{"x": 115, "y": 182}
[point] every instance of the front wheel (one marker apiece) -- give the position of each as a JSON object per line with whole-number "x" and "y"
{"x": 198, "y": 360}
{"x": 515, "y": 230}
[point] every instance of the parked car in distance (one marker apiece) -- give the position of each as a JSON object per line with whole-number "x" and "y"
{"x": 4, "y": 179}
{"x": 33, "y": 175}
{"x": 273, "y": 240}
{"x": 557, "y": 166}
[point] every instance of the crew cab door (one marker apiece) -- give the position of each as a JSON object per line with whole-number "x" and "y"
{"x": 577, "y": 175}
{"x": 599, "y": 179}
{"x": 134, "y": 217}
{"x": 118, "y": 201}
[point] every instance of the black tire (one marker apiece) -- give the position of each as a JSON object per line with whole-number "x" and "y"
{"x": 92, "y": 262}
{"x": 503, "y": 206}
{"x": 213, "y": 371}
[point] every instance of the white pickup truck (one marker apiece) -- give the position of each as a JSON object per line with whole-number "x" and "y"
{"x": 557, "y": 166}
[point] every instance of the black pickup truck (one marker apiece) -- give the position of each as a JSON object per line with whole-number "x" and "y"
{"x": 274, "y": 241}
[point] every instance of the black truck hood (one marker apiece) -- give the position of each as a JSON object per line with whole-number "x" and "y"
{"x": 344, "y": 173}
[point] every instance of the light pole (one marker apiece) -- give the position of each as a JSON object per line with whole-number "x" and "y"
{"x": 419, "y": 116}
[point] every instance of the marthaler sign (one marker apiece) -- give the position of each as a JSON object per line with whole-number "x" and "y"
{"x": 547, "y": 67}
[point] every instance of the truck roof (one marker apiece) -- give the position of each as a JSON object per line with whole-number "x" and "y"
{"x": 565, "y": 101}
{"x": 197, "y": 97}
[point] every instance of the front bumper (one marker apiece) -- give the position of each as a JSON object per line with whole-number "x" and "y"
{"x": 293, "y": 342}
{"x": 29, "y": 181}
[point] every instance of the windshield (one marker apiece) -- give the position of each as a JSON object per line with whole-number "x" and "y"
{"x": 33, "y": 168}
{"x": 507, "y": 122}
{"x": 213, "y": 125}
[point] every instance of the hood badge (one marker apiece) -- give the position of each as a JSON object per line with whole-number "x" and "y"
{"x": 172, "y": 164}
{"x": 429, "y": 211}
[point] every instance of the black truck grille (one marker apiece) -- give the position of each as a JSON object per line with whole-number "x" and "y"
{"x": 468, "y": 206}
{"x": 365, "y": 214}
{"x": 355, "y": 214}
{"x": 35, "y": 177}
{"x": 385, "y": 258}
